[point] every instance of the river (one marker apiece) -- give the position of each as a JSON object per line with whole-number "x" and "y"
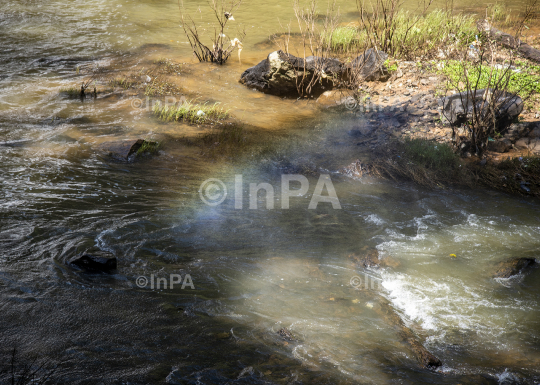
{"x": 252, "y": 272}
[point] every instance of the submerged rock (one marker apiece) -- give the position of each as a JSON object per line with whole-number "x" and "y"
{"x": 286, "y": 334}
{"x": 458, "y": 108}
{"x": 126, "y": 150}
{"x": 95, "y": 261}
{"x": 513, "y": 266}
{"x": 368, "y": 259}
{"x": 424, "y": 357}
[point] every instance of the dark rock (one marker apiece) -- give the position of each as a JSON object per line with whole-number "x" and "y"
{"x": 124, "y": 150}
{"x": 458, "y": 108}
{"x": 286, "y": 334}
{"x": 368, "y": 259}
{"x": 95, "y": 261}
{"x": 500, "y": 145}
{"x": 283, "y": 74}
{"x": 535, "y": 133}
{"x": 369, "y": 66}
{"x": 513, "y": 266}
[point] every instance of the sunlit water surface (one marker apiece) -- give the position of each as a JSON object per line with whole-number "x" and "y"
{"x": 254, "y": 271}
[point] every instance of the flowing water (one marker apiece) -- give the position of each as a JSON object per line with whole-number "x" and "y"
{"x": 254, "y": 271}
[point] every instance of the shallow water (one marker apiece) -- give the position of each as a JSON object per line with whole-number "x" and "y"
{"x": 254, "y": 271}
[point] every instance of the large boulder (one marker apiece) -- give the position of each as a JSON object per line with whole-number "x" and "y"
{"x": 459, "y": 108}
{"x": 369, "y": 66}
{"x": 283, "y": 74}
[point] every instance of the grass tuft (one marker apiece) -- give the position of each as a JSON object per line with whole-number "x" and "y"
{"x": 121, "y": 82}
{"x": 169, "y": 66}
{"x": 422, "y": 161}
{"x": 344, "y": 39}
{"x": 71, "y": 92}
{"x": 190, "y": 112}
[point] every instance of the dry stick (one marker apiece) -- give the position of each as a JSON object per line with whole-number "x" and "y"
{"x": 530, "y": 8}
{"x": 201, "y": 51}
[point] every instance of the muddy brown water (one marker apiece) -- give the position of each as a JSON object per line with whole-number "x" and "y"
{"x": 254, "y": 271}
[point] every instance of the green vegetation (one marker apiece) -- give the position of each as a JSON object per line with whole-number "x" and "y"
{"x": 422, "y": 161}
{"x": 524, "y": 80}
{"x": 71, "y": 92}
{"x": 498, "y": 12}
{"x": 169, "y": 66}
{"x": 429, "y": 154}
{"x": 121, "y": 82}
{"x": 408, "y": 36}
{"x": 160, "y": 88}
{"x": 434, "y": 165}
{"x": 430, "y": 32}
{"x": 344, "y": 38}
{"x": 391, "y": 66}
{"x": 149, "y": 147}
{"x": 190, "y": 112}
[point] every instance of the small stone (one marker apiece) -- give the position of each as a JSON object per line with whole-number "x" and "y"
{"x": 500, "y": 145}
{"x": 522, "y": 144}
{"x": 95, "y": 261}
{"x": 535, "y": 133}
{"x": 424, "y": 82}
{"x": 534, "y": 145}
